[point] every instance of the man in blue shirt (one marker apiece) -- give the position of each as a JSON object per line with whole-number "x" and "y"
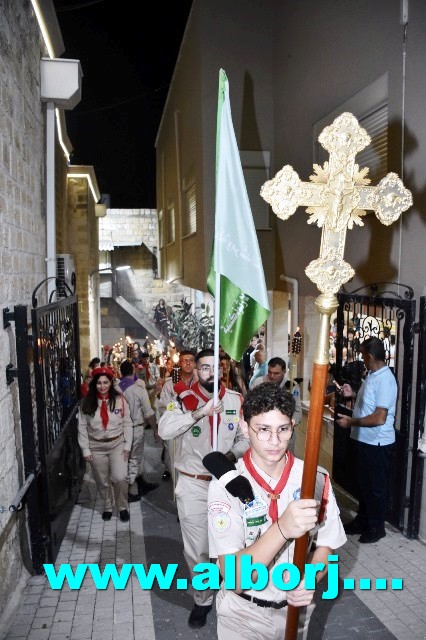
{"x": 372, "y": 427}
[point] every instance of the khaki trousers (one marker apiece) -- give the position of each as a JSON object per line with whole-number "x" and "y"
{"x": 238, "y": 619}
{"x": 191, "y": 499}
{"x": 135, "y": 459}
{"x": 110, "y": 467}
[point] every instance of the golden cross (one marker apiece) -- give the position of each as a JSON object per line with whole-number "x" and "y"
{"x": 337, "y": 198}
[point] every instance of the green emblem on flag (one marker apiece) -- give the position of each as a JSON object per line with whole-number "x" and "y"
{"x": 231, "y": 412}
{"x": 196, "y": 431}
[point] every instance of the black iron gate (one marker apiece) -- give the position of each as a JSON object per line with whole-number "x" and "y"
{"x": 417, "y": 462}
{"x": 386, "y": 311}
{"x": 48, "y": 360}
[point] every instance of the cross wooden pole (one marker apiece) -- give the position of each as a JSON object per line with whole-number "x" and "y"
{"x": 337, "y": 198}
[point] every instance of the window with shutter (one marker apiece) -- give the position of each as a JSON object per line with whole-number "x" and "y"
{"x": 170, "y": 227}
{"x": 370, "y": 107}
{"x": 160, "y": 229}
{"x": 189, "y": 222}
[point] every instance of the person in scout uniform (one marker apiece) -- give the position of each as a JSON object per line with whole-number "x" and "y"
{"x": 149, "y": 373}
{"x": 188, "y": 420}
{"x": 169, "y": 393}
{"x": 105, "y": 433}
{"x": 141, "y": 413}
{"x": 265, "y": 528}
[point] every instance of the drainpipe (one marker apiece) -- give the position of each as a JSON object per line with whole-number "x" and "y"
{"x": 60, "y": 87}
{"x": 294, "y": 301}
{"x": 50, "y": 198}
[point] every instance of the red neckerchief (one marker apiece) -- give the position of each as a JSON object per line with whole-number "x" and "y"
{"x": 274, "y": 496}
{"x": 148, "y": 373}
{"x": 196, "y": 389}
{"x": 189, "y": 399}
{"x": 104, "y": 410}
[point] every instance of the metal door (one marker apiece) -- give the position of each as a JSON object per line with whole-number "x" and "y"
{"x": 386, "y": 311}
{"x": 49, "y": 380}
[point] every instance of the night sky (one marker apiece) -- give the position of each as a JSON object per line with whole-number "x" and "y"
{"x": 127, "y": 61}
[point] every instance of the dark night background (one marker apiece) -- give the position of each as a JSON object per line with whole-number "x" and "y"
{"x": 128, "y": 52}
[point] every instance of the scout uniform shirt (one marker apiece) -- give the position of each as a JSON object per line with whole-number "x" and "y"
{"x": 139, "y": 404}
{"x": 194, "y": 440}
{"x": 168, "y": 394}
{"x": 234, "y": 526}
{"x": 119, "y": 422}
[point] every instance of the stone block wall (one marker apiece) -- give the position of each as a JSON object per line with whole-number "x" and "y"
{"x": 131, "y": 238}
{"x": 22, "y": 249}
{"x": 128, "y": 227}
{"x": 82, "y": 243}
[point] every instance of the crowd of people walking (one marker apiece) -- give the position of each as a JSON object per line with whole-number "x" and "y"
{"x": 257, "y": 411}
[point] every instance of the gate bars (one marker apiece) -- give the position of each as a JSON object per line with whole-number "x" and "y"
{"x": 49, "y": 361}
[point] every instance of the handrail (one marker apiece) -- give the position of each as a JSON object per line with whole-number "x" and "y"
{"x": 17, "y": 501}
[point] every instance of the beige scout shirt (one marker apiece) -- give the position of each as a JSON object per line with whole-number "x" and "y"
{"x": 91, "y": 427}
{"x": 139, "y": 404}
{"x": 297, "y": 415}
{"x": 234, "y": 526}
{"x": 169, "y": 395}
{"x": 193, "y": 440}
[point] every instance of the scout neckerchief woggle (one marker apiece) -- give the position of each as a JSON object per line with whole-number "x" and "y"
{"x": 273, "y": 494}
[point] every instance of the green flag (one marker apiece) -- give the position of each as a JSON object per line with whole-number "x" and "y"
{"x": 236, "y": 257}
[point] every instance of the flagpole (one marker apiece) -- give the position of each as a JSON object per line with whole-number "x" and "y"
{"x": 216, "y": 358}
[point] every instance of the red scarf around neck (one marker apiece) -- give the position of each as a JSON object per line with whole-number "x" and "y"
{"x": 191, "y": 396}
{"x": 273, "y": 494}
{"x": 196, "y": 389}
{"x": 104, "y": 410}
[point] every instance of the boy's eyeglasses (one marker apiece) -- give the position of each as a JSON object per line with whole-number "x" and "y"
{"x": 264, "y": 434}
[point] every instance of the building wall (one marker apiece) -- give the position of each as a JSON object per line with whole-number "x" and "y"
{"x": 368, "y": 37}
{"x": 189, "y": 120}
{"x": 83, "y": 243}
{"x": 22, "y": 251}
{"x": 310, "y": 81}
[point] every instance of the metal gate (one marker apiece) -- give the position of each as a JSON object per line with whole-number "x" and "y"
{"x": 386, "y": 313}
{"x": 49, "y": 378}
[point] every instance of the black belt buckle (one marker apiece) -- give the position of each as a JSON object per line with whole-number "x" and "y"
{"x": 264, "y": 603}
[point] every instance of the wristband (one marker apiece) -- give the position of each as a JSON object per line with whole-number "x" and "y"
{"x": 279, "y": 529}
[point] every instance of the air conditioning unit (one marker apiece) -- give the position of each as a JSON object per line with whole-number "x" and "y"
{"x": 65, "y": 269}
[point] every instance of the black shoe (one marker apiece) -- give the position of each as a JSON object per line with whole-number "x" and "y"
{"x": 124, "y": 516}
{"x": 133, "y": 497}
{"x": 107, "y": 515}
{"x": 372, "y": 534}
{"x": 355, "y": 526}
{"x": 144, "y": 486}
{"x": 198, "y": 616}
{"x": 167, "y": 475}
